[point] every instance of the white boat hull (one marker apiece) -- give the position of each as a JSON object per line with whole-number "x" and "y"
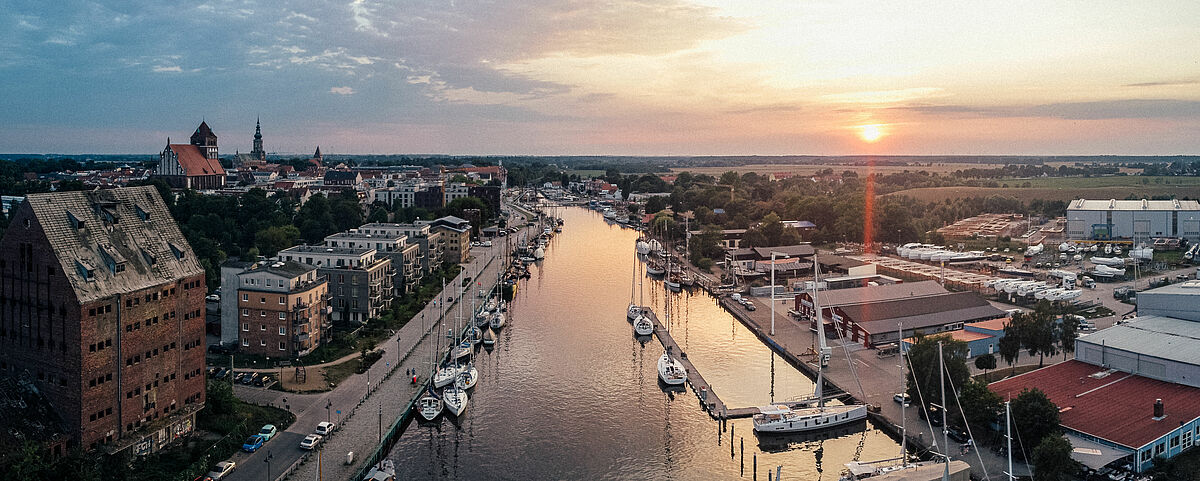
{"x": 454, "y": 400}
{"x": 467, "y": 378}
{"x": 445, "y": 376}
{"x": 430, "y": 407}
{"x": 670, "y": 371}
{"x": 643, "y": 327}
{"x": 809, "y": 419}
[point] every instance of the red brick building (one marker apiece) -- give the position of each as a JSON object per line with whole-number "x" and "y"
{"x": 194, "y": 165}
{"x": 102, "y": 307}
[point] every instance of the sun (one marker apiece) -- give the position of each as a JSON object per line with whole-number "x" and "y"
{"x": 871, "y": 132}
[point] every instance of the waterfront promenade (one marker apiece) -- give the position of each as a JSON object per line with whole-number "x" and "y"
{"x": 369, "y": 402}
{"x": 878, "y": 379}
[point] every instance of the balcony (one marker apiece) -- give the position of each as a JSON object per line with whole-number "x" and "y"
{"x": 300, "y": 306}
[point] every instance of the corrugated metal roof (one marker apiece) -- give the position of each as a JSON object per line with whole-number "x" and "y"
{"x": 1118, "y": 406}
{"x": 921, "y": 321}
{"x": 897, "y": 308}
{"x": 1157, "y": 336}
{"x": 1113, "y": 204}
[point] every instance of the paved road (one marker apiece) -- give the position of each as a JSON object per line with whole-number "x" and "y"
{"x": 389, "y": 397}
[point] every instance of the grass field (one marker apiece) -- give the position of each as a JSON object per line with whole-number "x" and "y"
{"x": 809, "y": 169}
{"x": 1065, "y": 194}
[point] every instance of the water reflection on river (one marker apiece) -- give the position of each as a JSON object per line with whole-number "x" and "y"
{"x": 570, "y": 393}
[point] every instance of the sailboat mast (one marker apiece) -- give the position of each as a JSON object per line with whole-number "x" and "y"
{"x": 818, "y": 391}
{"x": 1008, "y": 437}
{"x": 942, "y": 382}
{"x": 903, "y": 397}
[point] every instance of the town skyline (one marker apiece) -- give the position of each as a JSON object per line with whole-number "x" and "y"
{"x": 706, "y": 77}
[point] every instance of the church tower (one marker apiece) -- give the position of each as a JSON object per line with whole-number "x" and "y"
{"x": 205, "y": 140}
{"x": 258, "y": 152}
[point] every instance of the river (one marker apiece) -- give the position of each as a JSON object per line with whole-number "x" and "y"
{"x": 569, "y": 392}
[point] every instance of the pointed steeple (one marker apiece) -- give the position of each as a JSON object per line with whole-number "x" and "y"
{"x": 317, "y": 155}
{"x": 257, "y": 129}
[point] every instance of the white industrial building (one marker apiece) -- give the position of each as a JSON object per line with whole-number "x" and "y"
{"x": 1133, "y": 219}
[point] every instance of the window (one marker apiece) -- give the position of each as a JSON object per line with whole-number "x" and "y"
{"x": 282, "y": 331}
{"x": 262, "y": 313}
{"x": 262, "y": 327}
{"x": 245, "y": 343}
{"x": 1158, "y": 449}
{"x": 262, "y": 342}
{"x": 246, "y": 297}
{"x": 282, "y": 347}
{"x": 282, "y": 300}
{"x": 282, "y": 316}
{"x": 1174, "y": 442}
{"x": 1187, "y": 439}
{"x": 245, "y": 326}
{"x": 262, "y": 300}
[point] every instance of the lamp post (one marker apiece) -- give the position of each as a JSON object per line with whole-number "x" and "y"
{"x": 328, "y": 404}
{"x": 268, "y": 461}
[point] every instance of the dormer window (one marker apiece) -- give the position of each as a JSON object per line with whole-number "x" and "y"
{"x": 86, "y": 272}
{"x": 141, "y": 213}
{"x": 113, "y": 259}
{"x": 149, "y": 258}
{"x": 176, "y": 250}
{"x": 77, "y": 222}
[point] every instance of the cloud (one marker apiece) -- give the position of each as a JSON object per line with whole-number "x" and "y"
{"x": 164, "y": 68}
{"x": 341, "y": 90}
{"x": 1094, "y": 110}
{"x": 1164, "y": 83}
{"x": 884, "y": 96}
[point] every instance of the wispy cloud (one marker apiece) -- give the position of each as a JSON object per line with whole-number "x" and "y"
{"x": 341, "y": 90}
{"x": 1165, "y": 83}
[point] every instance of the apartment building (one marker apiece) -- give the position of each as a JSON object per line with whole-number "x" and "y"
{"x": 282, "y": 309}
{"x": 360, "y": 280}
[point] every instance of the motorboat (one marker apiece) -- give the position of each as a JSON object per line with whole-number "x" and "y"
{"x": 467, "y": 378}
{"x": 642, "y": 247}
{"x": 1142, "y": 253}
{"x": 446, "y": 375}
{"x": 454, "y": 400}
{"x": 539, "y": 253}
{"x": 1108, "y": 261}
{"x": 1034, "y": 250}
{"x": 687, "y": 279}
{"x": 497, "y": 322}
{"x": 642, "y": 326}
{"x": 673, "y": 283}
{"x": 1108, "y": 249}
{"x": 430, "y": 405}
{"x": 489, "y": 338}
{"x": 1106, "y": 271}
{"x": 655, "y": 269}
{"x": 670, "y": 370}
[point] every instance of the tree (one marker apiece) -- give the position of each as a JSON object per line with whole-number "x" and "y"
{"x": 459, "y": 179}
{"x": 1010, "y": 345}
{"x": 457, "y": 206}
{"x": 1067, "y": 332}
{"x": 1052, "y": 459}
{"x": 273, "y": 239}
{"x": 220, "y": 398}
{"x": 655, "y": 204}
{"x": 1034, "y": 416}
{"x": 985, "y": 362}
{"x": 980, "y": 405}
{"x": 924, "y": 374}
{"x": 1039, "y": 334}
{"x": 378, "y": 214}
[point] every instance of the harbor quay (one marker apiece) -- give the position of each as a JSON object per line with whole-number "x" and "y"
{"x": 877, "y": 381}
{"x": 369, "y": 403}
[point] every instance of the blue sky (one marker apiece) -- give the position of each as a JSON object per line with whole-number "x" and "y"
{"x": 618, "y": 77}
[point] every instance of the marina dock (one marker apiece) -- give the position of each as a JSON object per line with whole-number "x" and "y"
{"x": 708, "y": 399}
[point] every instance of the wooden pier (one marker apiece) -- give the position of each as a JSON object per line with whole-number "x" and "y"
{"x": 708, "y": 399}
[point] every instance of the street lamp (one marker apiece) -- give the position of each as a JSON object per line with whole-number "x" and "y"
{"x": 268, "y": 461}
{"x": 328, "y": 404}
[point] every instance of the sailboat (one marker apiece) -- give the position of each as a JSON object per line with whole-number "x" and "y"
{"x": 642, "y": 326}
{"x": 497, "y": 322}
{"x": 655, "y": 268}
{"x": 670, "y": 370}
{"x": 469, "y": 375}
{"x": 430, "y": 405}
{"x": 781, "y": 418}
{"x": 454, "y": 398}
{"x": 489, "y": 338}
{"x": 447, "y": 373}
{"x": 634, "y": 311}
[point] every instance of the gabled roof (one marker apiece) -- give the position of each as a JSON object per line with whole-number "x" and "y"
{"x": 194, "y": 162}
{"x": 790, "y": 251}
{"x": 133, "y": 222}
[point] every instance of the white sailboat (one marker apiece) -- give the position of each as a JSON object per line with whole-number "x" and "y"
{"x": 780, "y": 418}
{"x": 455, "y": 400}
{"x": 475, "y": 335}
{"x": 539, "y": 253}
{"x": 489, "y": 338}
{"x": 670, "y": 370}
{"x": 634, "y": 311}
{"x": 430, "y": 405}
{"x": 497, "y": 321}
{"x": 642, "y": 326}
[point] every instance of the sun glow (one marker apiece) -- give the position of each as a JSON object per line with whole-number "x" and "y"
{"x": 870, "y": 133}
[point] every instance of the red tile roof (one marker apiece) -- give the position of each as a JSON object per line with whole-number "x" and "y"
{"x": 991, "y": 325}
{"x": 1118, "y": 407}
{"x": 194, "y": 162}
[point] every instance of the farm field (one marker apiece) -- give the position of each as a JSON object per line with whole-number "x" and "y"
{"x": 1065, "y": 194}
{"x": 1110, "y": 181}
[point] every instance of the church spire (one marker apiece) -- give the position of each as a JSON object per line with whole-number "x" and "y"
{"x": 258, "y": 153}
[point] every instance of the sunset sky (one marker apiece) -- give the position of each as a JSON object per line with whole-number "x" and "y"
{"x": 622, "y": 77}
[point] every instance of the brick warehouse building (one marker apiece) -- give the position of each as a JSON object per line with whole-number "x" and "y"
{"x": 102, "y": 307}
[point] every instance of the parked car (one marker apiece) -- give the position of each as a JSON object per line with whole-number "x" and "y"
{"x": 250, "y": 377}
{"x": 221, "y": 470}
{"x": 486, "y": 243}
{"x": 220, "y": 373}
{"x": 958, "y": 435}
{"x": 325, "y": 428}
{"x": 902, "y": 398}
{"x": 262, "y": 380}
{"x": 311, "y": 441}
{"x": 750, "y": 306}
{"x": 237, "y": 377}
{"x": 252, "y": 443}
{"x": 267, "y": 432}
